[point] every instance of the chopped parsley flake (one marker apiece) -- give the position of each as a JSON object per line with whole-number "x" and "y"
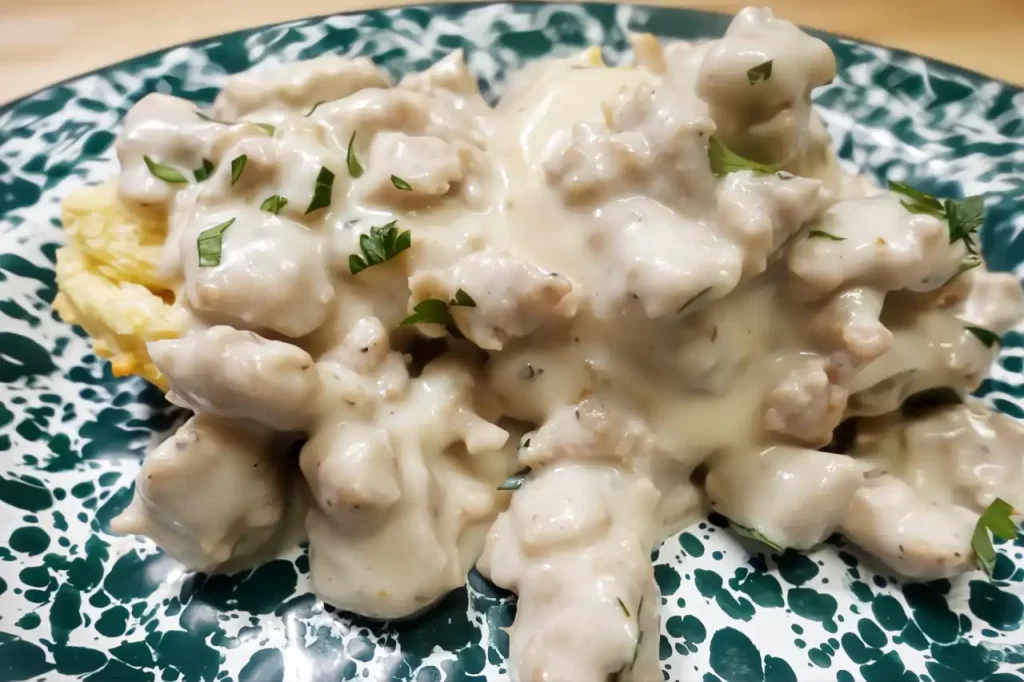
{"x": 237, "y": 166}
{"x": 822, "y": 234}
{"x": 996, "y": 518}
{"x": 515, "y": 482}
{"x": 383, "y": 243}
{"x": 636, "y": 649}
{"x": 724, "y": 161}
{"x": 209, "y": 244}
{"x": 636, "y": 646}
{"x": 401, "y": 184}
{"x": 203, "y": 172}
{"x": 986, "y": 336}
{"x": 760, "y": 72}
{"x": 429, "y": 311}
{"x": 463, "y": 299}
{"x": 964, "y": 216}
{"x": 211, "y": 119}
{"x": 274, "y": 204}
{"x": 693, "y": 300}
{"x": 968, "y": 263}
{"x": 164, "y": 172}
{"x": 917, "y": 201}
{"x": 754, "y": 534}
{"x": 321, "y": 191}
{"x": 355, "y": 169}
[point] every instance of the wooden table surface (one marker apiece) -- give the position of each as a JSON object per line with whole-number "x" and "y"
{"x": 48, "y": 40}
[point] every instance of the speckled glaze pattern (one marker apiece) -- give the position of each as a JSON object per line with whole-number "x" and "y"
{"x": 78, "y": 602}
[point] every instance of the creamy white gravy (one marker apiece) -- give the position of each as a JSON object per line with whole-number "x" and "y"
{"x": 650, "y": 339}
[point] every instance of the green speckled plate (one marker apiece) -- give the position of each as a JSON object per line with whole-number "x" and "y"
{"x": 77, "y": 602}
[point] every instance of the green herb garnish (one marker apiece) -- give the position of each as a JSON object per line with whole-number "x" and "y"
{"x": 383, "y": 243}
{"x": 237, "y": 166}
{"x": 209, "y": 244}
{"x": 968, "y": 263}
{"x": 429, "y": 311}
{"x": 211, "y": 119}
{"x": 204, "y": 171}
{"x": 965, "y": 219}
{"x": 754, "y": 534}
{"x": 321, "y": 191}
{"x": 274, "y": 204}
{"x": 625, "y": 610}
{"x": 760, "y": 72}
{"x": 617, "y": 677}
{"x": 355, "y": 169}
{"x": 815, "y": 234}
{"x": 164, "y": 172}
{"x": 995, "y": 518}
{"x": 724, "y": 161}
{"x": 917, "y": 201}
{"x": 401, "y": 184}
{"x": 463, "y": 299}
{"x": 636, "y": 649}
{"x": 693, "y": 300}
{"x": 323, "y": 101}
{"x": 515, "y": 482}
{"x": 964, "y": 216}
{"x": 986, "y": 336}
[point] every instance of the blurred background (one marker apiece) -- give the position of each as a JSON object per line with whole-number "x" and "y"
{"x": 48, "y": 40}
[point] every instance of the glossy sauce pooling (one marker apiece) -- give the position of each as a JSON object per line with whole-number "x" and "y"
{"x": 649, "y": 338}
